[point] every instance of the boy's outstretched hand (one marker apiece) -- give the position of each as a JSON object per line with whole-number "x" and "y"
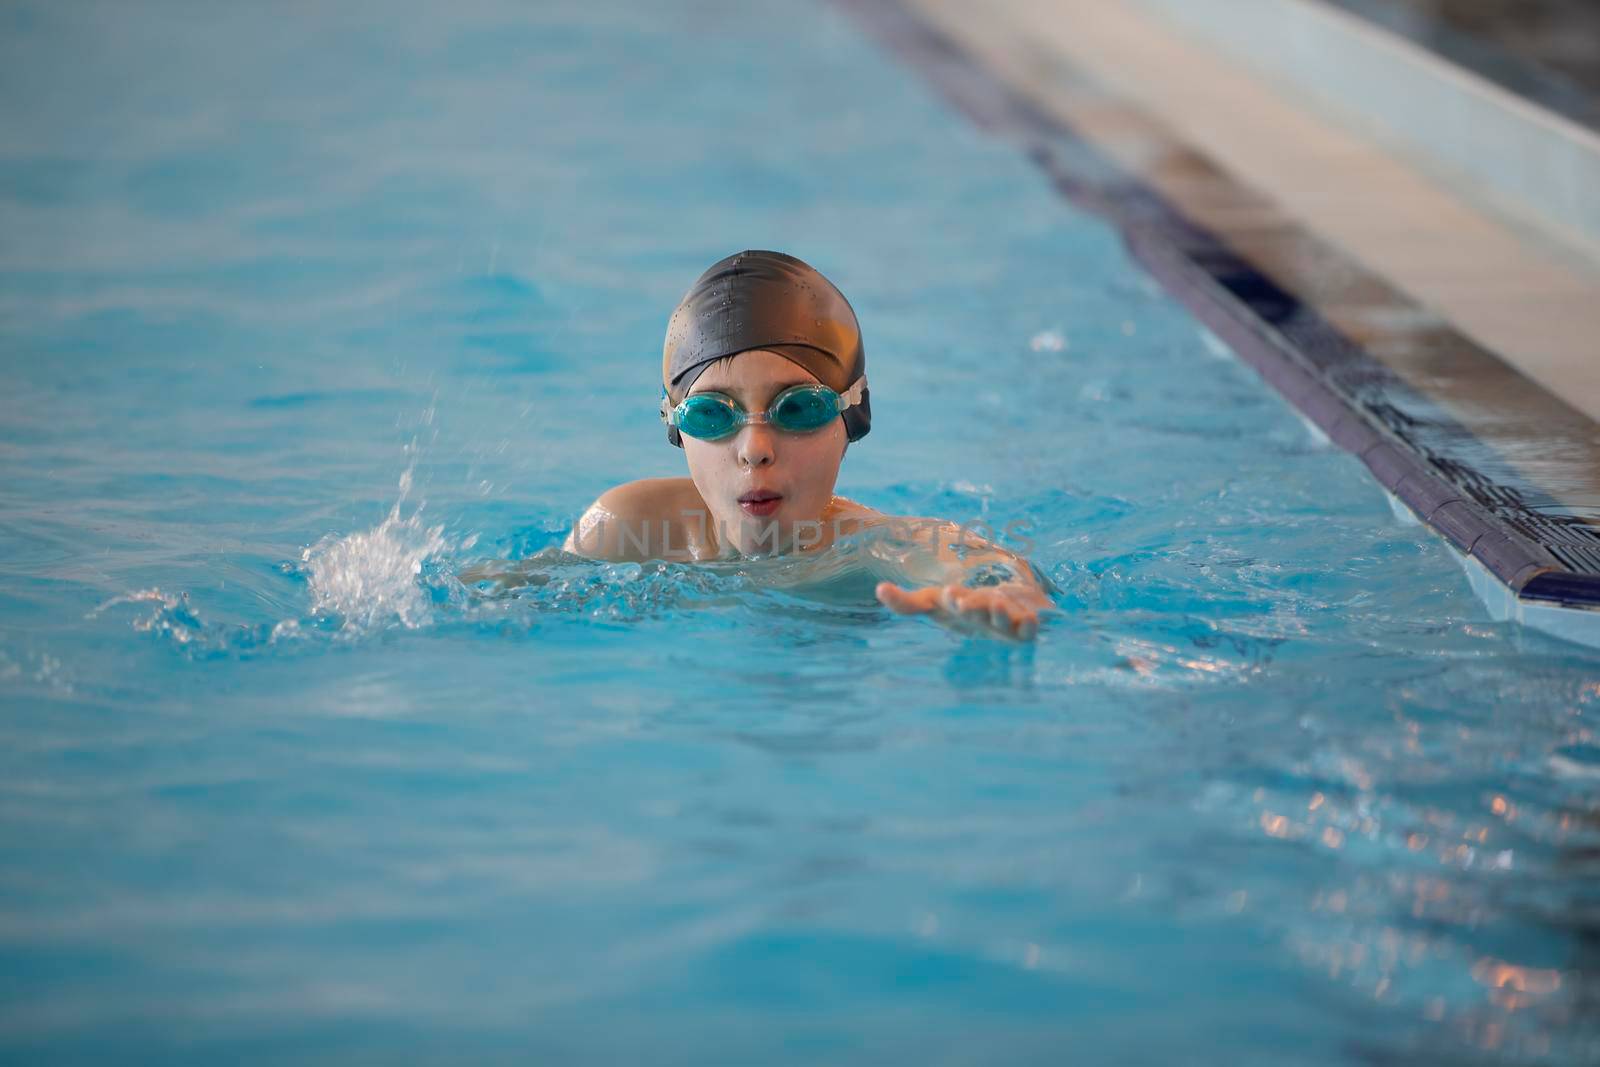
{"x": 1010, "y": 609}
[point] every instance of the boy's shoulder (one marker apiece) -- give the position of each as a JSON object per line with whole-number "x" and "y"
{"x": 650, "y": 498}
{"x": 847, "y": 516}
{"x": 638, "y": 520}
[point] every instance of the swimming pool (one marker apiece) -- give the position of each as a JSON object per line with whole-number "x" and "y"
{"x": 302, "y": 314}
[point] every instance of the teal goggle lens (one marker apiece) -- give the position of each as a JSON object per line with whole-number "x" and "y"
{"x": 710, "y": 416}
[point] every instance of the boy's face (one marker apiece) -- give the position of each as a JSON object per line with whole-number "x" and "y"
{"x": 801, "y": 467}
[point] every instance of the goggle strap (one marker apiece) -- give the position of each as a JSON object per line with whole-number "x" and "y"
{"x": 852, "y": 396}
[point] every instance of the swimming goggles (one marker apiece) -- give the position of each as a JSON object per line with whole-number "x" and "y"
{"x": 798, "y": 409}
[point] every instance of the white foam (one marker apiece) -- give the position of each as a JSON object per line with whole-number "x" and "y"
{"x": 370, "y": 579}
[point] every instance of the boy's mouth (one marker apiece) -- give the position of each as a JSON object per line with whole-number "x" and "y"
{"x": 760, "y": 502}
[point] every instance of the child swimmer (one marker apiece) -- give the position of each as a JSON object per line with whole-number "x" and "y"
{"x": 764, "y": 387}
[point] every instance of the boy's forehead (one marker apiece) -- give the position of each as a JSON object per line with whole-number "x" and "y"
{"x": 755, "y": 370}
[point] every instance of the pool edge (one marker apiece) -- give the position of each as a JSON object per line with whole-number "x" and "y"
{"x": 1207, "y": 277}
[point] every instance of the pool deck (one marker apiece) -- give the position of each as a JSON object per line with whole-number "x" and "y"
{"x": 1547, "y": 51}
{"x": 1447, "y": 340}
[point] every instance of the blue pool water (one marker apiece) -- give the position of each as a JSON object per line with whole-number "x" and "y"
{"x": 305, "y": 308}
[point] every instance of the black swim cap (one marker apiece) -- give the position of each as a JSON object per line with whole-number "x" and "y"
{"x": 768, "y": 300}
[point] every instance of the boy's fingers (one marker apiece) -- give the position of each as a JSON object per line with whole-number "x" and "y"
{"x": 904, "y": 602}
{"x": 962, "y": 604}
{"x": 952, "y": 600}
{"x": 890, "y": 595}
{"x": 1000, "y": 618}
{"x": 971, "y": 605}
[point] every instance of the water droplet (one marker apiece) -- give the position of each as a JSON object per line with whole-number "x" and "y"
{"x": 1048, "y": 341}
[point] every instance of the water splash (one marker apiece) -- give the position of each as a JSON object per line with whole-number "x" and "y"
{"x": 371, "y": 579}
{"x": 396, "y": 573}
{"x": 173, "y": 616}
{"x": 409, "y": 574}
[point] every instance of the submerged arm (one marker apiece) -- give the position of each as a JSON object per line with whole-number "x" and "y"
{"x": 975, "y": 583}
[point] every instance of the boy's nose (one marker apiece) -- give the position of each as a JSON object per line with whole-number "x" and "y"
{"x": 756, "y": 445}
